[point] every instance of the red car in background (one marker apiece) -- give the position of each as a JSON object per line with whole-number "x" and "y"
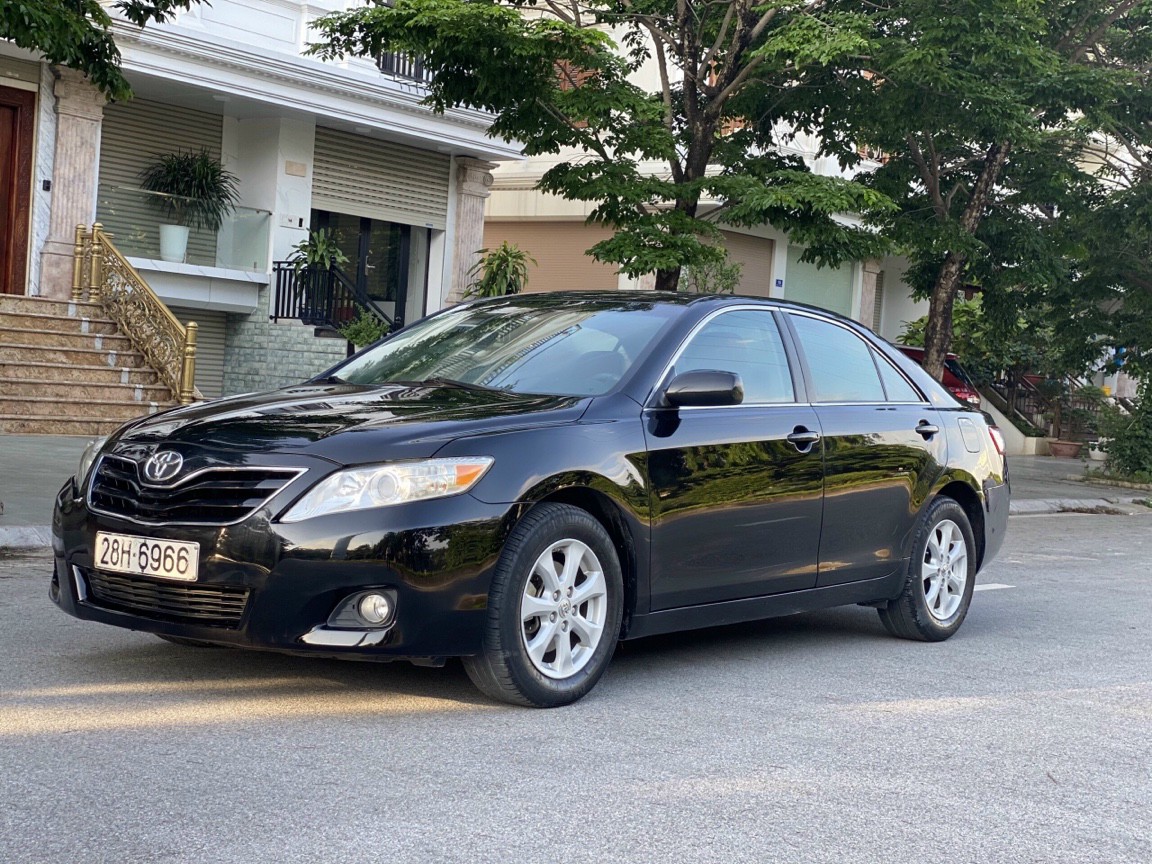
{"x": 956, "y": 380}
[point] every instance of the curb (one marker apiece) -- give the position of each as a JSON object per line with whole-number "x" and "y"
{"x": 35, "y": 537}
{"x": 1038, "y": 506}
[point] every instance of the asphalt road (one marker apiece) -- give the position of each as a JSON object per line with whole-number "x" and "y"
{"x": 815, "y": 738}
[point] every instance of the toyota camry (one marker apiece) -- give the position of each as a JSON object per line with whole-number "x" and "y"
{"x": 523, "y": 482}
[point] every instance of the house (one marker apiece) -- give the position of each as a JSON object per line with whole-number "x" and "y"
{"x": 345, "y": 146}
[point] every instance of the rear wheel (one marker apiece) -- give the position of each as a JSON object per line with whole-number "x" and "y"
{"x": 941, "y": 575}
{"x": 553, "y": 612}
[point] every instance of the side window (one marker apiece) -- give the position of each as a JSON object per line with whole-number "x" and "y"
{"x": 840, "y": 362}
{"x": 895, "y": 385}
{"x": 748, "y": 343}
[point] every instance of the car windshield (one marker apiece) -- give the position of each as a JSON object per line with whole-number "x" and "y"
{"x": 582, "y": 348}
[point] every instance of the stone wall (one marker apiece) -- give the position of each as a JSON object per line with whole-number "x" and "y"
{"x": 260, "y": 354}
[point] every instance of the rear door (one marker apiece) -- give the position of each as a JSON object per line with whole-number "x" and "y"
{"x": 883, "y": 450}
{"x": 735, "y": 503}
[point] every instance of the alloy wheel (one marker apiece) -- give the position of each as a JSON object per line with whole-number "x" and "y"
{"x": 944, "y": 570}
{"x": 563, "y": 609}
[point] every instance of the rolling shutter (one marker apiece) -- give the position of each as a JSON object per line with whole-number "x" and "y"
{"x": 379, "y": 180}
{"x": 559, "y": 249}
{"x": 132, "y": 136}
{"x": 209, "y": 347}
{"x": 754, "y": 255}
{"x": 826, "y": 287}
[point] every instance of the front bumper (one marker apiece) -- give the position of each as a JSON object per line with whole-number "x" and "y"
{"x": 266, "y": 585}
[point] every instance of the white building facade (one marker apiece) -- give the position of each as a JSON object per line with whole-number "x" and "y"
{"x": 343, "y": 146}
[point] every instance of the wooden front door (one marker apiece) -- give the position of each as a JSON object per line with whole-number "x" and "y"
{"x": 16, "y": 122}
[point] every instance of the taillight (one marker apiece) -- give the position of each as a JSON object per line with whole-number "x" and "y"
{"x": 997, "y": 439}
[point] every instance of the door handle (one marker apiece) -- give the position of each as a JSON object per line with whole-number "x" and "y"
{"x": 803, "y": 438}
{"x": 927, "y": 429}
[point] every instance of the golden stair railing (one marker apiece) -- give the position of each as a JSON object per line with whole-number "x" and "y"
{"x": 101, "y": 274}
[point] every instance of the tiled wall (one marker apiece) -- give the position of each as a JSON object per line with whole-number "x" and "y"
{"x": 262, "y": 355}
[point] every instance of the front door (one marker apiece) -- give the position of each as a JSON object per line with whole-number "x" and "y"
{"x": 16, "y": 119}
{"x": 736, "y": 505}
{"x": 378, "y": 254}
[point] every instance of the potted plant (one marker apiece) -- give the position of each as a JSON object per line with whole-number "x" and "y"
{"x": 311, "y": 261}
{"x": 198, "y": 192}
{"x": 499, "y": 272}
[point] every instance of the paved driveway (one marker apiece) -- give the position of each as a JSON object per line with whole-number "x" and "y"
{"x": 814, "y": 738}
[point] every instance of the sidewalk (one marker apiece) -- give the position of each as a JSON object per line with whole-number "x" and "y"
{"x": 34, "y": 467}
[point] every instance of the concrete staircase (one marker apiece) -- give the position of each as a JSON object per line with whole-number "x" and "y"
{"x": 65, "y": 369}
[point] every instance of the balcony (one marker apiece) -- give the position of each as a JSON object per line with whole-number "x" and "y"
{"x": 134, "y": 216}
{"x": 403, "y": 66}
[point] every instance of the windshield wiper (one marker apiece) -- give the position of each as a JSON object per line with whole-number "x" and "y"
{"x": 441, "y": 381}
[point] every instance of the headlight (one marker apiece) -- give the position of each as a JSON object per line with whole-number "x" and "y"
{"x": 91, "y": 451}
{"x": 384, "y": 485}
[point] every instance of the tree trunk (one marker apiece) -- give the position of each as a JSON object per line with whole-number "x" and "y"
{"x": 938, "y": 330}
{"x": 668, "y": 280}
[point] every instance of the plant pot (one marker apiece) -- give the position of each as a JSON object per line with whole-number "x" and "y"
{"x": 1096, "y": 452}
{"x": 1064, "y": 449}
{"x": 173, "y": 243}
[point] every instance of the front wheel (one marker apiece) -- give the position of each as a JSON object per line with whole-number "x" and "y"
{"x": 941, "y": 575}
{"x": 553, "y": 612}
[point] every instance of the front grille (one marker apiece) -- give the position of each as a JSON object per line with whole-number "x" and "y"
{"x": 215, "y": 496}
{"x": 206, "y": 605}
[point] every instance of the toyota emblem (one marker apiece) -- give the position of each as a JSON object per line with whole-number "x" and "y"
{"x": 163, "y": 466}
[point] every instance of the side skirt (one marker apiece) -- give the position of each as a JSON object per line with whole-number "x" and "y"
{"x": 754, "y": 608}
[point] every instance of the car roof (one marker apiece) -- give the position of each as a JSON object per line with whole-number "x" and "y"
{"x": 632, "y": 299}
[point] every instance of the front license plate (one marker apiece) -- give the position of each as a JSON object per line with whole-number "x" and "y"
{"x": 147, "y": 556}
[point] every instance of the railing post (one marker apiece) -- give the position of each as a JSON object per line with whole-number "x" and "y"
{"x": 79, "y": 276}
{"x": 188, "y": 371}
{"x": 96, "y": 267}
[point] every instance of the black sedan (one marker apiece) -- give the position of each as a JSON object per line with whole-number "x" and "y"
{"x": 522, "y": 482}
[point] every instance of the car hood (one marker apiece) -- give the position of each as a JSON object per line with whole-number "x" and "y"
{"x": 352, "y": 424}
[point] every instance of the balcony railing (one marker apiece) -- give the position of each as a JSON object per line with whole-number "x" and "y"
{"x": 403, "y": 66}
{"x": 134, "y": 216}
{"x": 320, "y": 297}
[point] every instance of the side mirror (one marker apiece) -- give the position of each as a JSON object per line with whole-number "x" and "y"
{"x": 705, "y": 387}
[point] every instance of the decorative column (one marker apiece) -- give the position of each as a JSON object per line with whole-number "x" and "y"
{"x": 75, "y": 171}
{"x": 868, "y": 288}
{"x": 473, "y": 186}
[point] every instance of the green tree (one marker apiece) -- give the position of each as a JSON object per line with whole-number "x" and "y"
{"x": 661, "y": 168}
{"x": 991, "y": 115}
{"x": 78, "y": 33}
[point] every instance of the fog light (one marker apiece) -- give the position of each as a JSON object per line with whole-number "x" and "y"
{"x": 375, "y": 608}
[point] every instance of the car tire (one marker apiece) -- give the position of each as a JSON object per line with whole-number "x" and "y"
{"x": 554, "y": 610}
{"x": 941, "y": 575}
{"x": 186, "y": 642}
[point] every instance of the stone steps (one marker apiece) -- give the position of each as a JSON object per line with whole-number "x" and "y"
{"x": 55, "y": 338}
{"x": 71, "y": 372}
{"x": 39, "y": 322}
{"x": 65, "y": 369}
{"x": 95, "y": 409}
{"x": 90, "y": 391}
{"x": 31, "y": 424}
{"x": 31, "y": 352}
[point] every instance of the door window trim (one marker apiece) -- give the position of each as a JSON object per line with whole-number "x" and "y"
{"x": 799, "y": 393}
{"x": 873, "y": 350}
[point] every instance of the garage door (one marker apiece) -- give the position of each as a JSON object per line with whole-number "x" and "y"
{"x": 559, "y": 250}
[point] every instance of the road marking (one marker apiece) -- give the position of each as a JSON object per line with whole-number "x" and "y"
{"x": 992, "y": 586}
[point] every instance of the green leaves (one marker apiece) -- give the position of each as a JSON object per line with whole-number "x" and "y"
{"x": 78, "y": 33}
